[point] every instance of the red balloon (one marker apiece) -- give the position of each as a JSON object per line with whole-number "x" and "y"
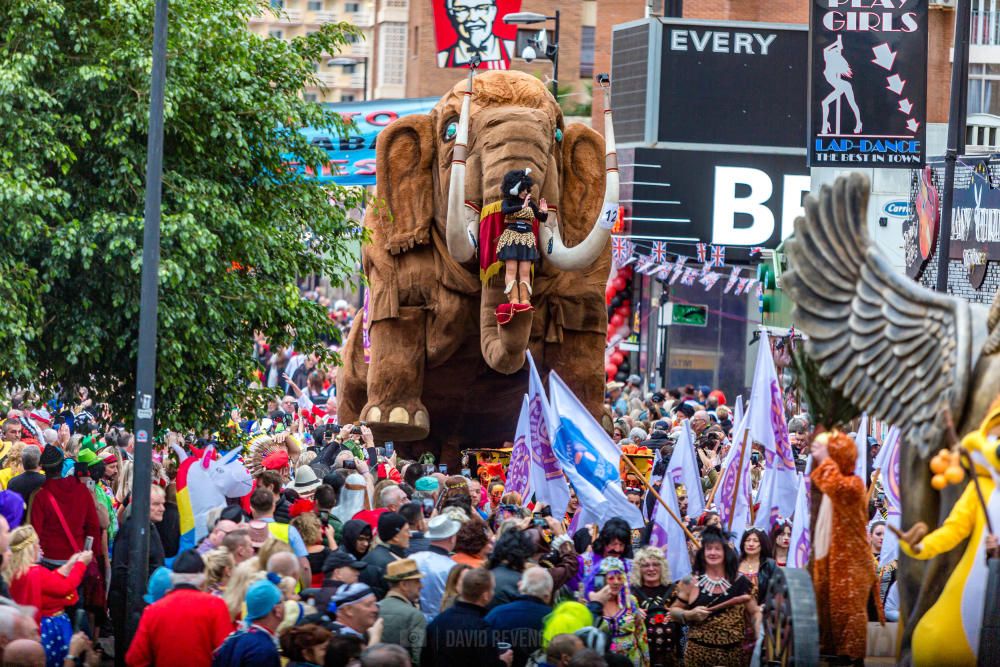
{"x": 617, "y": 358}
{"x": 611, "y": 370}
{"x": 608, "y": 297}
{"x": 618, "y": 283}
{"x": 627, "y": 304}
{"x": 623, "y": 310}
{"x": 617, "y": 320}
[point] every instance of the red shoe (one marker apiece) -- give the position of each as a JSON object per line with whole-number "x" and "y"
{"x": 504, "y": 313}
{"x": 522, "y": 307}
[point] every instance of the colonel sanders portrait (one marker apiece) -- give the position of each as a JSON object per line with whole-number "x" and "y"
{"x": 473, "y": 22}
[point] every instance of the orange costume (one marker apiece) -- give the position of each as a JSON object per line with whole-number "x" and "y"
{"x": 842, "y": 564}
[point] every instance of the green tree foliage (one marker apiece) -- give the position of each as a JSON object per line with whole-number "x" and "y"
{"x": 238, "y": 225}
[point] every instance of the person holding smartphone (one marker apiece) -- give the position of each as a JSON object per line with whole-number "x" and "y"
{"x": 48, "y": 591}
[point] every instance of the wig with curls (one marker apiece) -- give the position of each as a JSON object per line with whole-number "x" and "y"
{"x": 644, "y": 554}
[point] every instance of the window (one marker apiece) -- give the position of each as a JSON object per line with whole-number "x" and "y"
{"x": 416, "y": 40}
{"x": 392, "y": 54}
{"x": 352, "y": 39}
{"x": 347, "y": 98}
{"x": 315, "y": 5}
{"x": 587, "y": 52}
{"x": 526, "y": 38}
{"x": 309, "y": 97}
{"x": 984, "y": 88}
{"x": 352, "y": 7}
{"x": 349, "y": 69}
{"x": 277, "y": 4}
{"x": 276, "y": 34}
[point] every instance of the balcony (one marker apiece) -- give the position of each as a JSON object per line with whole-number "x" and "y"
{"x": 323, "y": 17}
{"x": 985, "y": 23}
{"x": 360, "y": 19}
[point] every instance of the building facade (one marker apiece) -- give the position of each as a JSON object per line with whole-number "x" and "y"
{"x": 342, "y": 77}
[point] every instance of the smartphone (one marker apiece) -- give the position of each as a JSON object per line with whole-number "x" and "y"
{"x": 427, "y": 504}
{"x": 349, "y": 464}
{"x": 88, "y": 544}
{"x": 598, "y": 582}
{"x": 389, "y": 448}
{"x": 466, "y": 472}
{"x": 443, "y": 468}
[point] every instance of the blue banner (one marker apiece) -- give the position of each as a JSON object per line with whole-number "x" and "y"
{"x": 352, "y": 157}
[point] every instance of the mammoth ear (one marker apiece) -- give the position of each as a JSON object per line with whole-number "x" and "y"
{"x": 582, "y": 192}
{"x": 404, "y": 158}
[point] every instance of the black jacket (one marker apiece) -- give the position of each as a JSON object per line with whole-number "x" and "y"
{"x": 461, "y": 637}
{"x": 120, "y": 564}
{"x": 767, "y": 570}
{"x": 378, "y": 560}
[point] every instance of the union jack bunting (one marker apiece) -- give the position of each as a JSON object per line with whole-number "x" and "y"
{"x": 756, "y": 250}
{"x": 678, "y": 269}
{"x": 718, "y": 255}
{"x": 687, "y": 278}
{"x": 659, "y": 252}
{"x": 621, "y": 250}
{"x": 702, "y": 251}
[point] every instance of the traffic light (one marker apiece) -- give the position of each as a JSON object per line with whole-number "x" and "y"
{"x": 765, "y": 277}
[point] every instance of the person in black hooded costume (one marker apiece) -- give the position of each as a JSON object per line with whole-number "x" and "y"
{"x": 517, "y": 246}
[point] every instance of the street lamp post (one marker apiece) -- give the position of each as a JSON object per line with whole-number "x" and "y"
{"x": 353, "y": 60}
{"x": 145, "y": 390}
{"x": 551, "y": 50}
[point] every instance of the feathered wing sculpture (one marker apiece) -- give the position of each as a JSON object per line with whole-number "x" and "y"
{"x": 903, "y": 353}
{"x": 896, "y": 349}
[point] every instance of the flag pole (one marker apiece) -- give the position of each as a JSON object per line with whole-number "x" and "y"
{"x": 739, "y": 473}
{"x": 642, "y": 480}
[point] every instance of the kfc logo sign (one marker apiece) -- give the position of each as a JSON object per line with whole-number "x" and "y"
{"x": 464, "y": 29}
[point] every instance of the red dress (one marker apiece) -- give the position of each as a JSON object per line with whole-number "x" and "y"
{"x": 46, "y": 590}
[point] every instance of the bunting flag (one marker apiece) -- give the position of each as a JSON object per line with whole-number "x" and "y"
{"x": 702, "y": 251}
{"x": 645, "y": 265}
{"x": 861, "y": 441}
{"x": 799, "y": 547}
{"x": 546, "y": 474}
{"x": 733, "y": 276}
{"x": 659, "y": 252}
{"x": 678, "y": 269}
{"x": 664, "y": 271}
{"x": 887, "y": 462}
{"x": 709, "y": 279}
{"x": 750, "y": 282}
{"x": 621, "y": 250}
{"x": 683, "y": 469}
{"x": 741, "y": 285}
{"x": 668, "y": 535}
{"x": 687, "y": 278}
{"x": 718, "y": 256}
{"x": 588, "y": 457}
{"x": 767, "y": 426}
{"x": 519, "y": 470}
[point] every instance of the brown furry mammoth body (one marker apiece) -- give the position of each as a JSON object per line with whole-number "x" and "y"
{"x": 441, "y": 374}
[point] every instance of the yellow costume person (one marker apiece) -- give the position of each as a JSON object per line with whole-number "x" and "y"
{"x": 935, "y": 640}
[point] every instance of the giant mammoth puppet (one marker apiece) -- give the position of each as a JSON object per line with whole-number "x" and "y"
{"x": 440, "y": 369}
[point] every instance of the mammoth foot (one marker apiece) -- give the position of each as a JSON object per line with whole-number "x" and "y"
{"x": 403, "y": 422}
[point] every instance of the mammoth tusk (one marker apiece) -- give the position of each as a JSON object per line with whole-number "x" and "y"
{"x": 457, "y": 227}
{"x": 584, "y": 254}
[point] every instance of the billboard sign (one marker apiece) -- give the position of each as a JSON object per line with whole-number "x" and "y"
{"x": 352, "y": 157}
{"x": 868, "y": 83}
{"x": 718, "y": 197}
{"x": 467, "y": 28}
{"x": 733, "y": 82}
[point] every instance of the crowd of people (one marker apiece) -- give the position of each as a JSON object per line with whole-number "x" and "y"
{"x": 345, "y": 553}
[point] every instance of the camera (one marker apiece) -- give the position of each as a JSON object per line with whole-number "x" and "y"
{"x": 545, "y": 511}
{"x": 356, "y": 430}
{"x": 349, "y": 464}
{"x": 603, "y": 78}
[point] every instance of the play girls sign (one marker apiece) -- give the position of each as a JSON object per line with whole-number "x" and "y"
{"x": 868, "y": 83}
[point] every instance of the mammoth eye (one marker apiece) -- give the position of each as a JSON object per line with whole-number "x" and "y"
{"x": 559, "y": 135}
{"x": 451, "y": 131}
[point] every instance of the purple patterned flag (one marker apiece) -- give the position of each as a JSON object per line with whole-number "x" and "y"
{"x": 545, "y": 472}
{"x": 734, "y": 502}
{"x": 667, "y": 534}
{"x": 518, "y": 472}
{"x": 766, "y": 421}
{"x": 800, "y": 546}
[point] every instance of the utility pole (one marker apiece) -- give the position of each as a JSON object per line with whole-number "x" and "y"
{"x": 145, "y": 391}
{"x": 957, "y": 115}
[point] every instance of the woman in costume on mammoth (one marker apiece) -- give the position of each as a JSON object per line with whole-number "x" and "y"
{"x": 517, "y": 247}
